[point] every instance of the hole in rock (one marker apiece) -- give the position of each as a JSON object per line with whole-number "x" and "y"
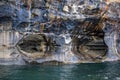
{"x": 88, "y": 41}
{"x": 36, "y": 45}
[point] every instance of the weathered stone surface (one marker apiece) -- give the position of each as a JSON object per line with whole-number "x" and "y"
{"x": 74, "y": 31}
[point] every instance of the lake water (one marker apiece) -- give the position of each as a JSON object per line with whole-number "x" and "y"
{"x": 90, "y": 71}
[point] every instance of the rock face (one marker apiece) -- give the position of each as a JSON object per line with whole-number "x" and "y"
{"x": 67, "y": 31}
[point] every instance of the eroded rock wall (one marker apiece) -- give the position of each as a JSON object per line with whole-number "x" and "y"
{"x": 73, "y": 31}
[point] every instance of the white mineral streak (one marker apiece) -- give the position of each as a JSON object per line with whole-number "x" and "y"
{"x": 64, "y": 54}
{"x": 66, "y": 8}
{"x": 67, "y": 38}
{"x": 110, "y": 40}
{"x": 7, "y": 48}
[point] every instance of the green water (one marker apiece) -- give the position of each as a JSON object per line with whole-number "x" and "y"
{"x": 91, "y": 71}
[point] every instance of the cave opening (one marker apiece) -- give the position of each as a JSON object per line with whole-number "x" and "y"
{"x": 88, "y": 40}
